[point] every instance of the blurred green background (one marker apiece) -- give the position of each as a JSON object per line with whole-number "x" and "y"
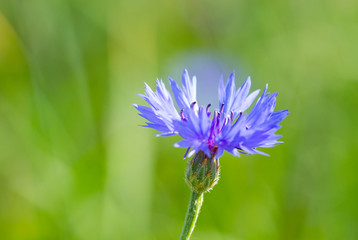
{"x": 75, "y": 165}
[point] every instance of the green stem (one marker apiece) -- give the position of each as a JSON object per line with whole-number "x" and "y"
{"x": 195, "y": 202}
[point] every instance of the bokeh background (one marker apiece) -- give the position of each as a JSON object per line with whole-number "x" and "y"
{"x": 75, "y": 165}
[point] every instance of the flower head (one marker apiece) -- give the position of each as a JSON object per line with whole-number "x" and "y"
{"x": 229, "y": 128}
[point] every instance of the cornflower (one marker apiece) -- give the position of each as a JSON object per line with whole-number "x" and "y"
{"x": 207, "y": 134}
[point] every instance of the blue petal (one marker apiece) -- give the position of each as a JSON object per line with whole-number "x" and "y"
{"x": 194, "y": 130}
{"x": 178, "y": 94}
{"x": 221, "y": 91}
{"x": 187, "y": 95}
{"x": 238, "y": 101}
{"x": 189, "y": 87}
{"x": 161, "y": 112}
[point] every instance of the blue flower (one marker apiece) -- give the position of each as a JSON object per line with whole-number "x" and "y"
{"x": 229, "y": 128}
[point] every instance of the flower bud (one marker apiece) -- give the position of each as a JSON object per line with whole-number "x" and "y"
{"x": 202, "y": 172}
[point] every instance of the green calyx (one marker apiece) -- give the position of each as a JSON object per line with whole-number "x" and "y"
{"x": 202, "y": 173}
